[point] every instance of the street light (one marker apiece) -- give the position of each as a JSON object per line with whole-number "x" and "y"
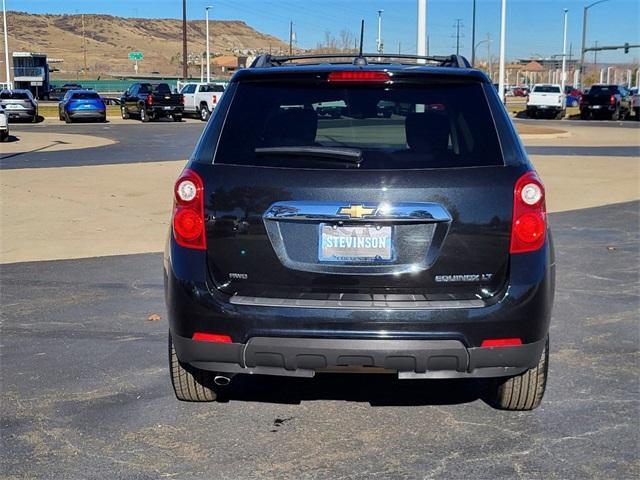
{"x": 584, "y": 36}
{"x": 380, "y": 47}
{"x": 206, "y": 14}
{"x": 564, "y": 51}
{"x": 503, "y": 28}
{"x": 6, "y": 44}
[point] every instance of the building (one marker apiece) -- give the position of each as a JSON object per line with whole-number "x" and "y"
{"x": 31, "y": 72}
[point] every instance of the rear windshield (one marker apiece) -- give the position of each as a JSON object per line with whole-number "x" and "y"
{"x": 160, "y": 88}
{"x": 608, "y": 89}
{"x": 400, "y": 127}
{"x": 546, "y": 89}
{"x": 85, "y": 96}
{"x": 212, "y": 88}
{"x": 14, "y": 96}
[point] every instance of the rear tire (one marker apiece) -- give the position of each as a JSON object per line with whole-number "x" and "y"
{"x": 560, "y": 115}
{"x": 67, "y": 118}
{"x": 524, "y": 391}
{"x": 204, "y": 113}
{"x": 144, "y": 117}
{"x": 616, "y": 115}
{"x": 190, "y": 384}
{"x": 584, "y": 115}
{"x": 177, "y": 118}
{"x": 124, "y": 112}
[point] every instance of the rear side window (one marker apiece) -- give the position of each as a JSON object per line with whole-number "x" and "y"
{"x": 85, "y": 96}
{"x": 546, "y": 89}
{"x": 398, "y": 127}
{"x": 212, "y": 88}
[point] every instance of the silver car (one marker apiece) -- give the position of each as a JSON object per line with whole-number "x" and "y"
{"x": 19, "y": 104}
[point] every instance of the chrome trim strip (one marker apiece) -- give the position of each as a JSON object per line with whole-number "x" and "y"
{"x": 421, "y": 212}
{"x": 357, "y": 304}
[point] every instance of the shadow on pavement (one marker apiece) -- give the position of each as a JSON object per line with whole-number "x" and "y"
{"x": 374, "y": 389}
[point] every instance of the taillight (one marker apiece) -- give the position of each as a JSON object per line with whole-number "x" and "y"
{"x": 612, "y": 100}
{"x": 182, "y": 99}
{"x": 214, "y": 99}
{"x": 580, "y": 100}
{"x": 361, "y": 76}
{"x": 529, "y": 224}
{"x": 188, "y": 211}
{"x": 149, "y": 99}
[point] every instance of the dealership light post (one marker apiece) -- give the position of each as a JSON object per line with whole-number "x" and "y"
{"x": 564, "y": 51}
{"x": 206, "y": 14}
{"x": 185, "y": 72}
{"x": 379, "y": 41}
{"x": 503, "y": 24}
{"x": 421, "y": 43}
{"x": 584, "y": 37}
{"x": 6, "y": 44}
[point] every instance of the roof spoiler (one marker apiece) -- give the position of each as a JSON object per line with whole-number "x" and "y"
{"x": 454, "y": 61}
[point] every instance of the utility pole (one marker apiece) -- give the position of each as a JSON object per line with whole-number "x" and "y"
{"x": 503, "y": 28}
{"x": 564, "y": 52}
{"x": 473, "y": 36}
{"x": 457, "y": 26}
{"x": 421, "y": 38}
{"x": 206, "y": 14}
{"x": 379, "y": 40}
{"x": 6, "y": 44}
{"x": 185, "y": 73}
{"x": 489, "y": 62}
{"x": 84, "y": 48}
{"x": 595, "y": 56}
{"x": 427, "y": 45}
{"x": 291, "y": 37}
{"x": 399, "y": 49}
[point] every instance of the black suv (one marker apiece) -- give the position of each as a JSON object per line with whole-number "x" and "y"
{"x": 415, "y": 244}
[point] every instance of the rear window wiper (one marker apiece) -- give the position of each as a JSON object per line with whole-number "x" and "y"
{"x": 349, "y": 155}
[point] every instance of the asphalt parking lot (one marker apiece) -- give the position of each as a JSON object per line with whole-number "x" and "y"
{"x": 85, "y": 388}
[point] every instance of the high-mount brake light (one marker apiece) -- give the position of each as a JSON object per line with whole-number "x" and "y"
{"x": 529, "y": 225}
{"x": 188, "y": 211}
{"x": 360, "y": 76}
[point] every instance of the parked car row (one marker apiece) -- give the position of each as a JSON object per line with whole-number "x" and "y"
{"x": 614, "y": 102}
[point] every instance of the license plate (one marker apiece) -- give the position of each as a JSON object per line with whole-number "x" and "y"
{"x": 167, "y": 108}
{"x": 355, "y": 243}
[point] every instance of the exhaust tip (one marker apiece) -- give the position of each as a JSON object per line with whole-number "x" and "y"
{"x": 221, "y": 380}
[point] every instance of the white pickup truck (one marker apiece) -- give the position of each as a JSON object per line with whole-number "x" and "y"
{"x": 546, "y": 99}
{"x": 201, "y": 98}
{"x": 635, "y": 103}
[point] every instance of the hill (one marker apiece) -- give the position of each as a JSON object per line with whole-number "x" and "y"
{"x": 109, "y": 39}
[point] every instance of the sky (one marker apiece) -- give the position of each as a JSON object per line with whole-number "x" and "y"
{"x": 534, "y": 27}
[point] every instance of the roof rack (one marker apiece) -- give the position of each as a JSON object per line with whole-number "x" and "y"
{"x": 454, "y": 61}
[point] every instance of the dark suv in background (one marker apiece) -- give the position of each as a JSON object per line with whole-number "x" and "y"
{"x": 414, "y": 243}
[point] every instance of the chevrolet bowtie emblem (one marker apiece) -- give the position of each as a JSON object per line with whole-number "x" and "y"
{"x": 356, "y": 211}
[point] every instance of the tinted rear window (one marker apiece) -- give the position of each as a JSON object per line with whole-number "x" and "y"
{"x": 607, "y": 89}
{"x": 546, "y": 89}
{"x": 212, "y": 88}
{"x": 14, "y": 96}
{"x": 85, "y": 96}
{"x": 399, "y": 127}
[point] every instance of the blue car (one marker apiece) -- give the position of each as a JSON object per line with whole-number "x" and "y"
{"x": 82, "y": 104}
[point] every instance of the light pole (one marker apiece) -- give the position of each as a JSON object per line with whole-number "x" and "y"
{"x": 473, "y": 36}
{"x": 379, "y": 41}
{"x": 206, "y": 15}
{"x": 421, "y": 41}
{"x": 6, "y": 44}
{"x": 503, "y": 25}
{"x": 184, "y": 40}
{"x": 564, "y": 51}
{"x": 488, "y": 42}
{"x": 584, "y": 37}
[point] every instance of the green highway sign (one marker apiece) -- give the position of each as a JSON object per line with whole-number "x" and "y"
{"x": 136, "y": 56}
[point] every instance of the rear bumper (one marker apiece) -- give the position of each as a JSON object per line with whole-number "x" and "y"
{"x": 303, "y": 357}
{"x": 86, "y": 113}
{"x": 21, "y": 114}
{"x": 545, "y": 108}
{"x": 159, "y": 110}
